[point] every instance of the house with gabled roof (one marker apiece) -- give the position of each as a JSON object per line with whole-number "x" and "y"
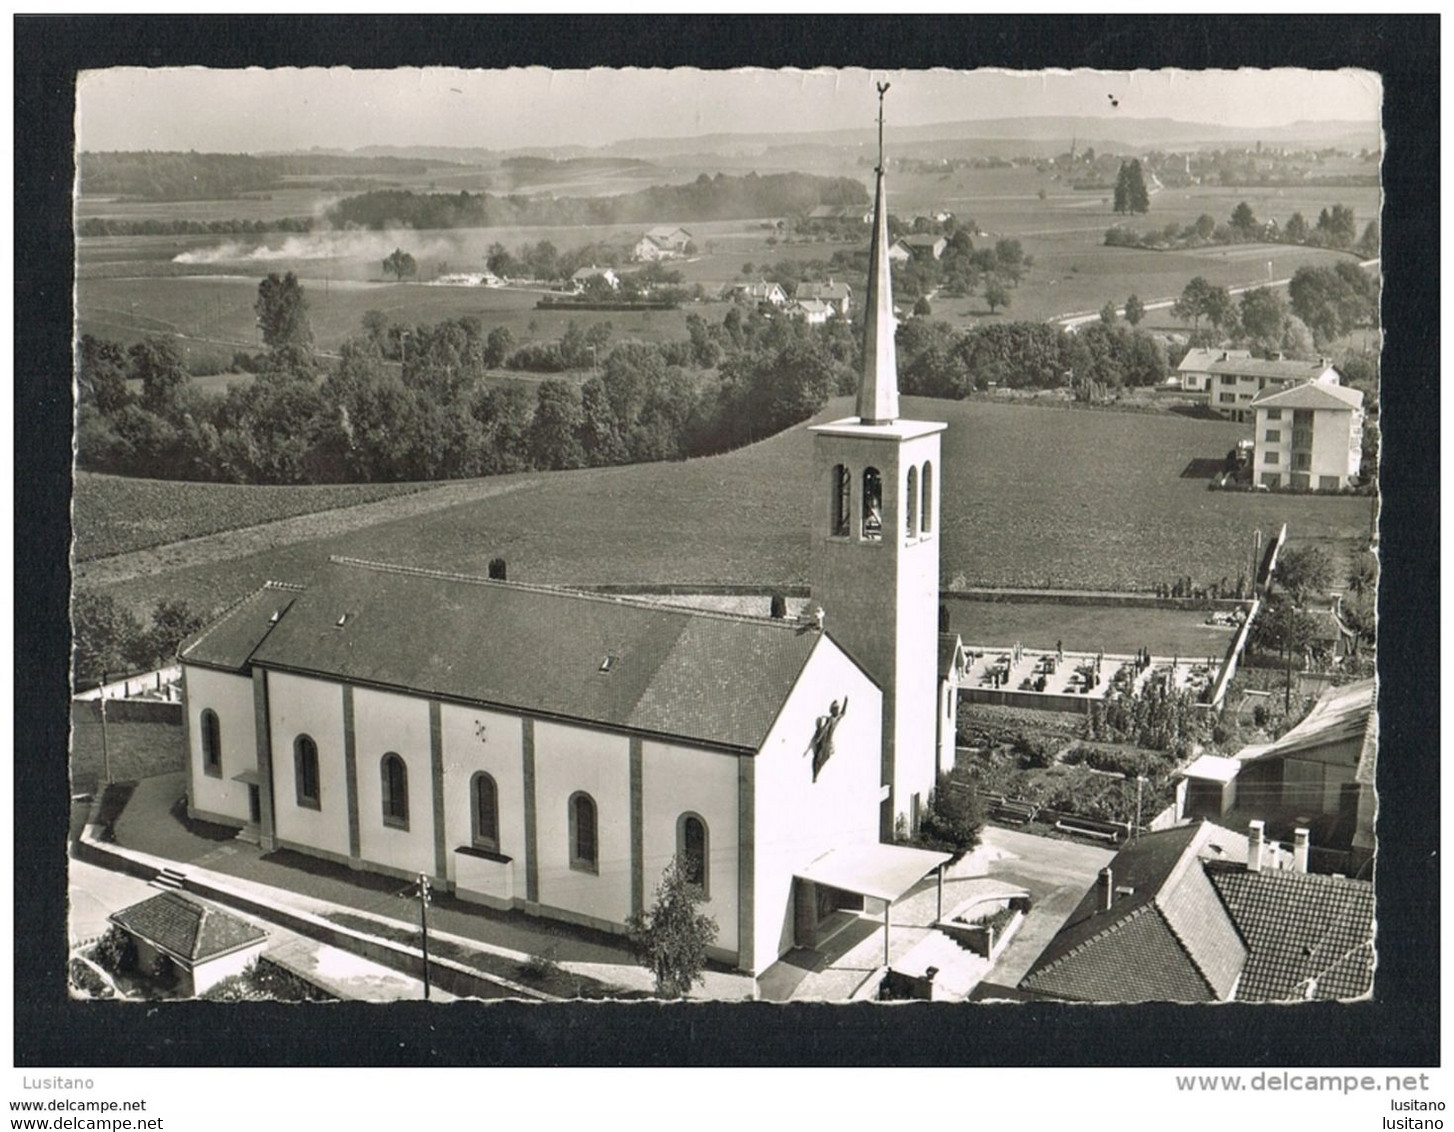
{"x": 201, "y": 944}
{"x": 1198, "y": 913}
{"x": 1308, "y": 436}
{"x": 835, "y": 293}
{"x": 1230, "y": 379}
{"x": 661, "y": 242}
{"x": 551, "y": 751}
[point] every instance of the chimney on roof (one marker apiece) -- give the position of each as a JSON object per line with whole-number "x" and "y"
{"x": 1106, "y": 889}
{"x": 1300, "y": 850}
{"x": 818, "y": 617}
{"x": 1254, "y": 845}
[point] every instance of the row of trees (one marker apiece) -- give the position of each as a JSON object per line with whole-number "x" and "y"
{"x": 433, "y": 416}
{"x": 108, "y": 640}
{"x": 1131, "y": 194}
{"x": 1325, "y": 303}
{"x": 1335, "y": 228}
{"x": 160, "y": 175}
{"x": 937, "y": 361}
{"x": 721, "y": 197}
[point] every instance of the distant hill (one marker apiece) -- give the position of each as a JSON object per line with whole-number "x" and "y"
{"x": 1004, "y": 136}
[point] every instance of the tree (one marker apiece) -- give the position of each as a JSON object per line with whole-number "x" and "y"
{"x": 282, "y": 312}
{"x": 1108, "y": 313}
{"x": 1205, "y": 225}
{"x": 1192, "y": 303}
{"x": 1303, "y": 571}
{"x": 995, "y": 295}
{"x": 105, "y": 638}
{"x": 778, "y": 607}
{"x": 1131, "y": 194}
{"x": 157, "y": 364}
{"x": 498, "y": 569}
{"x": 1371, "y": 241}
{"x": 172, "y": 622}
{"x": 553, "y": 439}
{"x": 401, "y": 264}
{"x": 1217, "y": 305}
{"x": 1263, "y": 312}
{"x": 1243, "y": 222}
{"x": 101, "y": 373}
{"x": 498, "y": 345}
{"x": 954, "y": 818}
{"x": 1338, "y": 228}
{"x": 1135, "y": 310}
{"x": 1295, "y": 231}
{"x": 922, "y": 309}
{"x": 671, "y": 940}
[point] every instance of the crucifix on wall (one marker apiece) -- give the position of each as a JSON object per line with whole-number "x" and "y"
{"x": 822, "y": 745}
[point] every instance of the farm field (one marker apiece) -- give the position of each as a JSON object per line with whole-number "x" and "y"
{"x": 114, "y": 515}
{"x": 131, "y": 286}
{"x": 1033, "y": 497}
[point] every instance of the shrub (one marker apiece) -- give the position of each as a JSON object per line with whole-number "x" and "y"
{"x": 954, "y": 819}
{"x": 115, "y": 951}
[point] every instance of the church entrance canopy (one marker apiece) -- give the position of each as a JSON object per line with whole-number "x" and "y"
{"x": 877, "y": 871}
{"x": 883, "y": 872}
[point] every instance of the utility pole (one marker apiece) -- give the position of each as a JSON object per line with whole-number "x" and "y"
{"x": 424, "y": 928}
{"x": 1136, "y": 836}
{"x": 105, "y": 747}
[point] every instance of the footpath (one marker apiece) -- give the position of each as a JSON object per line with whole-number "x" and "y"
{"x": 474, "y": 952}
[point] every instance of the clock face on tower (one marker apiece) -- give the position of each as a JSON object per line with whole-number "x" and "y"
{"x": 822, "y": 745}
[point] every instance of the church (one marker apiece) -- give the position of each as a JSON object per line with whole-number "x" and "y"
{"x": 550, "y": 751}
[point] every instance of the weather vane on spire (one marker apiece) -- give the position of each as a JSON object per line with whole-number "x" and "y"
{"x": 882, "y": 87}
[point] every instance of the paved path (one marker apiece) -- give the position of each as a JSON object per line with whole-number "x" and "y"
{"x": 153, "y": 824}
{"x": 1080, "y": 318}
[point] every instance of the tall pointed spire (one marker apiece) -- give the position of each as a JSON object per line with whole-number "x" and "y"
{"x": 878, "y": 387}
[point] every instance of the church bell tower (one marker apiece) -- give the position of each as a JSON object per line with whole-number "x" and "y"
{"x": 875, "y": 559}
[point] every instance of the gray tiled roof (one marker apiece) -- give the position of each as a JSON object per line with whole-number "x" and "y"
{"x": 1176, "y": 913}
{"x": 230, "y": 641}
{"x": 704, "y": 677}
{"x": 185, "y": 928}
{"x": 1300, "y": 927}
{"x": 1201, "y": 927}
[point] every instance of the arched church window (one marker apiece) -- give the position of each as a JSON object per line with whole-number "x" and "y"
{"x": 926, "y": 511}
{"x": 583, "y": 849}
{"x": 394, "y": 778}
{"x": 211, "y": 744}
{"x": 692, "y": 849}
{"x": 911, "y": 507}
{"x": 305, "y": 772}
{"x": 485, "y": 807}
{"x": 842, "y": 496}
{"x": 873, "y": 504}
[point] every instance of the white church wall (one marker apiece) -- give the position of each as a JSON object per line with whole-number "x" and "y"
{"x": 567, "y": 760}
{"x": 478, "y": 740}
{"x": 300, "y": 705}
{"x": 230, "y": 696}
{"x": 797, "y": 820}
{"x": 385, "y": 722}
{"x": 680, "y": 780}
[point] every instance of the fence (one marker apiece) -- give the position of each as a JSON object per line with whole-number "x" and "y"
{"x": 162, "y": 682}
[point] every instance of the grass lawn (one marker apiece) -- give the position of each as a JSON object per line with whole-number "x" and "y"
{"x": 1083, "y": 628}
{"x": 115, "y": 514}
{"x": 1033, "y": 497}
{"x": 138, "y": 750}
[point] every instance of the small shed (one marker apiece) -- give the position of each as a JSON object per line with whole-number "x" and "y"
{"x": 1208, "y": 788}
{"x": 203, "y": 944}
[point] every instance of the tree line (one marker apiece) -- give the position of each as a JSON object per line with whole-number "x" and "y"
{"x": 1323, "y": 304}
{"x": 1336, "y": 227}
{"x": 721, "y": 197}
{"x": 936, "y": 361}
{"x": 433, "y": 416}
{"x": 153, "y": 175}
{"x": 151, "y": 226}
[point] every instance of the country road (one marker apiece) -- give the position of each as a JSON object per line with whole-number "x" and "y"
{"x": 1080, "y": 318}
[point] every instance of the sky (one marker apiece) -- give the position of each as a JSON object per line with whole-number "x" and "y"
{"x": 260, "y": 110}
